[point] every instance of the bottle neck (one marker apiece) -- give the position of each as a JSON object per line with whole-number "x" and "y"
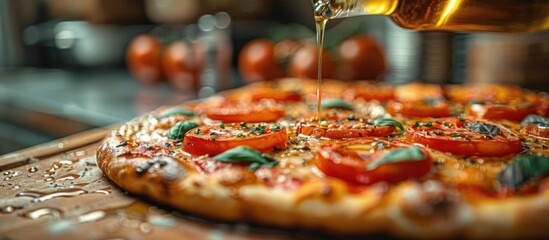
{"x": 330, "y": 9}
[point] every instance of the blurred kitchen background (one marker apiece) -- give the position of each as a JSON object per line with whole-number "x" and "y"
{"x": 64, "y": 64}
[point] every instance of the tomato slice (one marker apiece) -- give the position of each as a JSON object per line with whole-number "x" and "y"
{"x": 536, "y": 126}
{"x": 340, "y": 126}
{"x": 513, "y": 112}
{"x": 370, "y": 91}
{"x": 485, "y": 92}
{"x": 350, "y": 161}
{"x": 217, "y": 139}
{"x": 264, "y": 91}
{"x": 465, "y": 137}
{"x": 277, "y": 95}
{"x": 243, "y": 112}
{"x": 424, "y": 108}
{"x": 418, "y": 92}
{"x": 536, "y": 131}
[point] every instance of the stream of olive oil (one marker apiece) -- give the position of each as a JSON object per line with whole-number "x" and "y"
{"x": 320, "y": 29}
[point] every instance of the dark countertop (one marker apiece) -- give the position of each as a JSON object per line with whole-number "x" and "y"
{"x": 38, "y": 105}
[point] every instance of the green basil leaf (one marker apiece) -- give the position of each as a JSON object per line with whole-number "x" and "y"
{"x": 534, "y": 119}
{"x": 524, "y": 168}
{"x": 404, "y": 154}
{"x": 243, "y": 154}
{"x": 176, "y": 111}
{"x": 336, "y": 103}
{"x": 389, "y": 122}
{"x": 482, "y": 128}
{"x": 472, "y": 102}
{"x": 275, "y": 128}
{"x": 177, "y": 132}
{"x": 254, "y": 166}
{"x": 259, "y": 129}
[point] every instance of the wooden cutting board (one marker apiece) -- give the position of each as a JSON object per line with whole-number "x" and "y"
{"x": 56, "y": 191}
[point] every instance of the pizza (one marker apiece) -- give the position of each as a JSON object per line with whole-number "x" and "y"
{"x": 414, "y": 160}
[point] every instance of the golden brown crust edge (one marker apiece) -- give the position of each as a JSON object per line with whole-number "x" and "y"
{"x": 409, "y": 209}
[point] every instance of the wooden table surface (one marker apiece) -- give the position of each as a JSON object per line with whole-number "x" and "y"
{"x": 56, "y": 191}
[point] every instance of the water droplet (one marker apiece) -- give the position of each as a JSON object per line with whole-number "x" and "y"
{"x": 7, "y": 173}
{"x": 7, "y": 178}
{"x": 91, "y": 216}
{"x": 88, "y": 183}
{"x": 9, "y": 209}
{"x": 71, "y": 176}
{"x": 16, "y": 187}
{"x": 40, "y": 212}
{"x": 43, "y": 196}
{"x": 16, "y": 173}
{"x": 80, "y": 184}
{"x": 65, "y": 162}
{"x": 60, "y": 226}
{"x": 33, "y": 169}
{"x": 133, "y": 215}
{"x": 31, "y": 194}
{"x": 53, "y": 168}
{"x": 49, "y": 179}
{"x": 162, "y": 221}
{"x": 103, "y": 191}
{"x": 145, "y": 227}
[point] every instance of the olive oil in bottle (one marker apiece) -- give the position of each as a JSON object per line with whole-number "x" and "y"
{"x": 451, "y": 15}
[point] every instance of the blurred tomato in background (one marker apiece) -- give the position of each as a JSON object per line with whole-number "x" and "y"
{"x": 179, "y": 65}
{"x": 360, "y": 57}
{"x": 257, "y": 62}
{"x": 143, "y": 57}
{"x": 304, "y": 63}
{"x": 357, "y": 57}
{"x": 281, "y": 53}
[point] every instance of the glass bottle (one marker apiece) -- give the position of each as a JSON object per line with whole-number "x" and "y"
{"x": 452, "y": 15}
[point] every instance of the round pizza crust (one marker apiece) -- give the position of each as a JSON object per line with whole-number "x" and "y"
{"x": 414, "y": 208}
